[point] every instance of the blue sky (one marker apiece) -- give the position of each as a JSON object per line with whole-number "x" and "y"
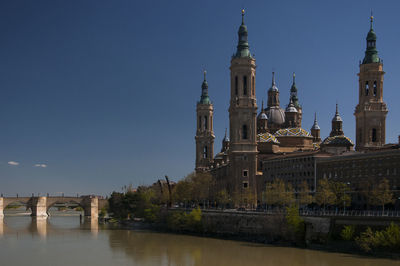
{"x": 103, "y": 93}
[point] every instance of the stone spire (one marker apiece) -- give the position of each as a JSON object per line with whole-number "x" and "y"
{"x": 204, "y": 99}
{"x": 337, "y": 124}
{"x": 273, "y": 93}
{"x": 243, "y": 45}
{"x": 315, "y": 125}
{"x": 371, "y": 53}
{"x": 316, "y": 131}
{"x": 293, "y": 93}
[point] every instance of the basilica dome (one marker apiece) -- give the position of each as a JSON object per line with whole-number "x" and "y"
{"x": 276, "y": 115}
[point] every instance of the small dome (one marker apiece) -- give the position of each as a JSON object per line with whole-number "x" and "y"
{"x": 276, "y": 115}
{"x": 292, "y": 132}
{"x": 290, "y": 108}
{"x": 338, "y": 141}
{"x": 273, "y": 88}
{"x": 337, "y": 118}
{"x": 267, "y": 137}
{"x": 262, "y": 116}
{"x": 316, "y": 127}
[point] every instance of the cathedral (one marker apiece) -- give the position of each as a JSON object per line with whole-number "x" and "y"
{"x": 257, "y": 137}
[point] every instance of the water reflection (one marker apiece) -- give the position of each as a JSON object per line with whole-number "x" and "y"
{"x": 40, "y": 225}
{"x": 66, "y": 235}
{"x": 146, "y": 248}
{"x": 43, "y": 226}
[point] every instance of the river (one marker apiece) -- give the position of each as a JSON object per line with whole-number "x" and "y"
{"x": 65, "y": 240}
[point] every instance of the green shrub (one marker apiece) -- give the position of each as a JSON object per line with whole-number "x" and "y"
{"x": 152, "y": 214}
{"x": 293, "y": 219}
{"x": 388, "y": 239}
{"x": 103, "y": 212}
{"x": 181, "y": 221}
{"x": 347, "y": 232}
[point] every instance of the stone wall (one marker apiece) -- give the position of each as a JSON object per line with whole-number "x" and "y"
{"x": 262, "y": 227}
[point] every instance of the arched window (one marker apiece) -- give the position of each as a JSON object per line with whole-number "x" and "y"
{"x": 236, "y": 85}
{"x": 199, "y": 122}
{"x": 244, "y": 132}
{"x": 375, "y": 89}
{"x": 374, "y": 135}
{"x": 244, "y": 85}
{"x": 366, "y": 88}
{"x": 360, "y": 135}
{"x": 205, "y": 152}
{"x": 205, "y": 122}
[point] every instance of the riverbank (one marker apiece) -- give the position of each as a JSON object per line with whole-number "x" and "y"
{"x": 319, "y": 233}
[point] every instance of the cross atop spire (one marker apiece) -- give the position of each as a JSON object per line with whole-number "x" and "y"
{"x": 372, "y": 19}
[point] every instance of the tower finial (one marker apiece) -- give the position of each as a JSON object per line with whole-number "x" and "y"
{"x": 242, "y": 15}
{"x": 262, "y": 105}
{"x": 337, "y": 111}
{"x": 315, "y": 117}
{"x": 273, "y": 77}
{"x": 205, "y": 73}
{"x": 294, "y": 78}
{"x": 372, "y": 19}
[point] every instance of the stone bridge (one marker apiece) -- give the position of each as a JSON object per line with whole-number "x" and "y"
{"x": 40, "y": 205}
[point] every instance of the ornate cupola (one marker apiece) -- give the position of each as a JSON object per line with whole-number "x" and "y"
{"x": 243, "y": 44}
{"x": 293, "y": 93}
{"x": 371, "y": 53}
{"x": 291, "y": 115}
{"x": 273, "y": 93}
{"x": 337, "y": 124}
{"x": 276, "y": 115}
{"x": 204, "y": 99}
{"x": 316, "y": 130}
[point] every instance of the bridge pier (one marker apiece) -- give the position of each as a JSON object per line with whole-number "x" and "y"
{"x": 91, "y": 207}
{"x": 1, "y": 207}
{"x": 39, "y": 206}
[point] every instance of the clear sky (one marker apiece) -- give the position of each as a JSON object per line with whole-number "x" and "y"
{"x": 99, "y": 94}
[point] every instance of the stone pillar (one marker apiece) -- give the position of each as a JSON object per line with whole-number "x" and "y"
{"x": 91, "y": 207}
{"x": 39, "y": 207}
{"x": 1, "y": 207}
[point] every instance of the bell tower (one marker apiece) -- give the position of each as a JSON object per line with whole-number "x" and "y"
{"x": 242, "y": 120}
{"x": 371, "y": 110}
{"x": 204, "y": 133}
